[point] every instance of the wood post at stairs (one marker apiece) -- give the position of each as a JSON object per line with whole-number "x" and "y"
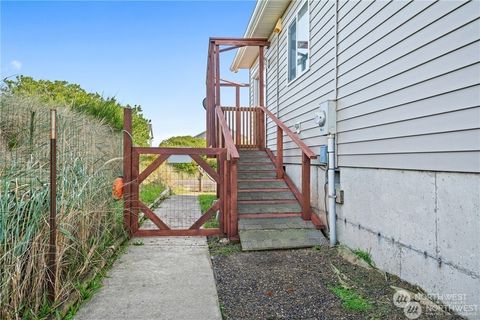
{"x": 279, "y": 158}
{"x": 306, "y": 213}
{"x": 261, "y": 95}
{"x": 233, "y": 199}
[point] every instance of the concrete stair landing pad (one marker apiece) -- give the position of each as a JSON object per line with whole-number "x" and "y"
{"x": 280, "y": 239}
{"x": 269, "y": 213}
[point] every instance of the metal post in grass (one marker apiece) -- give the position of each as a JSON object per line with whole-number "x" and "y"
{"x": 127, "y": 170}
{"x": 51, "y": 267}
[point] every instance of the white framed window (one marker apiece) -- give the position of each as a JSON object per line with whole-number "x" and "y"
{"x": 299, "y": 43}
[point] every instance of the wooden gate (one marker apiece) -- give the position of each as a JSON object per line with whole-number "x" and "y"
{"x": 134, "y": 177}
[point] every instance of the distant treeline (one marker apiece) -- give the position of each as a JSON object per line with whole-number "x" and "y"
{"x": 62, "y": 93}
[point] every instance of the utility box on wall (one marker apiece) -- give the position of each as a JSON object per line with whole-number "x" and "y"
{"x": 326, "y": 117}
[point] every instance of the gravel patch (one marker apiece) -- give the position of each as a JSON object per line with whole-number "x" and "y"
{"x": 296, "y": 284}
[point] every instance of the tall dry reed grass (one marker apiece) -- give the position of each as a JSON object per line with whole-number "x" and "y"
{"x": 88, "y": 219}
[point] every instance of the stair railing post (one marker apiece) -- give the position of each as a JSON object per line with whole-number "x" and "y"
{"x": 261, "y": 95}
{"x": 227, "y": 196}
{"x": 237, "y": 116}
{"x": 279, "y": 158}
{"x": 233, "y": 199}
{"x": 306, "y": 213}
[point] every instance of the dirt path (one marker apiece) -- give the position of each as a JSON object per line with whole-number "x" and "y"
{"x": 303, "y": 284}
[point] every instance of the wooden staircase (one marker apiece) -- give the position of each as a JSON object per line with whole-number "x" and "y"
{"x": 261, "y": 205}
{"x": 269, "y": 213}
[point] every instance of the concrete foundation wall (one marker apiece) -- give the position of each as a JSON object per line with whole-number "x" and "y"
{"x": 422, "y": 226}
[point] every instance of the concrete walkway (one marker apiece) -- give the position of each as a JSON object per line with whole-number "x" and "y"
{"x": 165, "y": 278}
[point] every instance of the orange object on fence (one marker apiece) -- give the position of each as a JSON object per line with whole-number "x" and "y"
{"x": 117, "y": 189}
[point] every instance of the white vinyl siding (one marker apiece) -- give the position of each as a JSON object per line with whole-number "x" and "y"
{"x": 408, "y": 83}
{"x": 297, "y": 100}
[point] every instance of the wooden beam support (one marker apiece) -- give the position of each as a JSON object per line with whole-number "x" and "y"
{"x": 233, "y": 199}
{"x": 279, "y": 158}
{"x": 152, "y": 216}
{"x": 261, "y": 94}
{"x": 238, "y": 131}
{"x": 240, "y": 42}
{"x": 152, "y": 167}
{"x": 206, "y": 216}
{"x": 217, "y": 76}
{"x": 202, "y": 163}
{"x": 178, "y": 151}
{"x": 306, "y": 210}
{"x": 177, "y": 233}
{"x": 231, "y": 48}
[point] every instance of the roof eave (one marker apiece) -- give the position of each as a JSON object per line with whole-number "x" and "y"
{"x": 256, "y": 20}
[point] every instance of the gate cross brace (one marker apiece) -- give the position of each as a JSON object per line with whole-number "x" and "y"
{"x": 151, "y": 167}
{"x": 152, "y": 216}
{"x": 206, "y": 216}
{"x": 202, "y": 163}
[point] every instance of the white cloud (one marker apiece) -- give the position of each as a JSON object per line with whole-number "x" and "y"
{"x": 17, "y": 65}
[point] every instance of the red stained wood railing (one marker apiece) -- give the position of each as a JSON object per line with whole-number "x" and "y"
{"x": 229, "y": 173}
{"x": 241, "y": 122}
{"x": 307, "y": 155}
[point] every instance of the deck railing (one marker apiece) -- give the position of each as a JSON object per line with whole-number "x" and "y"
{"x": 307, "y": 154}
{"x": 242, "y": 122}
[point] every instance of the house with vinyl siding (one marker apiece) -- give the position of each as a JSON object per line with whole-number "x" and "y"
{"x": 404, "y": 79}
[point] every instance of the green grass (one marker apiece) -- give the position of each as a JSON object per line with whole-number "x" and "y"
{"x": 206, "y": 201}
{"x": 365, "y": 256}
{"x": 350, "y": 299}
{"x": 150, "y": 192}
{"x": 219, "y": 249}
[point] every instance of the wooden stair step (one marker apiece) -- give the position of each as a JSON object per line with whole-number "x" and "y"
{"x": 244, "y": 160}
{"x": 256, "y": 166}
{"x": 260, "y": 207}
{"x": 251, "y": 152}
{"x": 274, "y": 223}
{"x": 266, "y": 195}
{"x": 267, "y": 174}
{"x": 261, "y": 184}
{"x": 269, "y": 239}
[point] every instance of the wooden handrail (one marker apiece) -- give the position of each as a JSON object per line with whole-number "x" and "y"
{"x": 295, "y": 138}
{"x": 229, "y": 144}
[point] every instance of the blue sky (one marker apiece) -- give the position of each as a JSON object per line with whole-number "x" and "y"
{"x": 149, "y": 53}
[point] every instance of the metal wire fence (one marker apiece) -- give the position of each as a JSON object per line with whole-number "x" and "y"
{"x": 186, "y": 187}
{"x": 88, "y": 219}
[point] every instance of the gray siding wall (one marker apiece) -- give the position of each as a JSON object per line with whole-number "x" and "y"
{"x": 298, "y": 100}
{"x": 407, "y": 83}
